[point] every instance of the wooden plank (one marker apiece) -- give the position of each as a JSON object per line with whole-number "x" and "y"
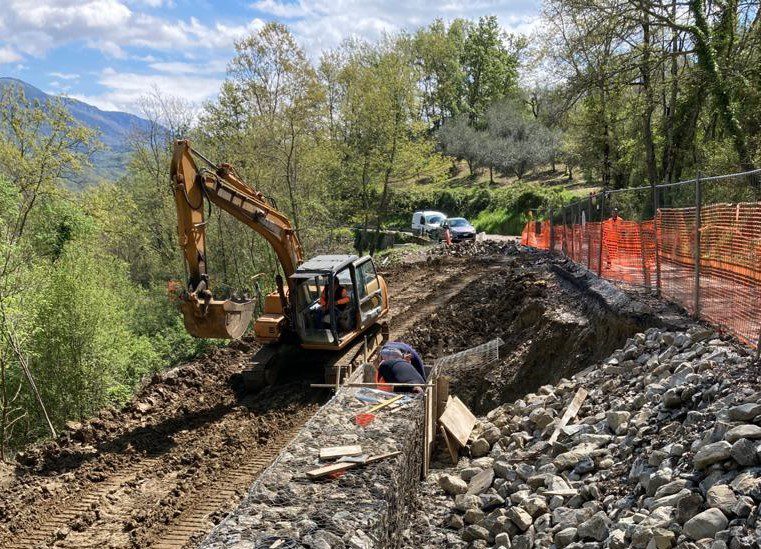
{"x": 570, "y": 412}
{"x": 328, "y": 469}
{"x": 344, "y": 466}
{"x": 458, "y": 420}
{"x": 442, "y": 395}
{"x": 450, "y": 446}
{"x": 379, "y": 457}
{"x": 335, "y": 452}
{"x": 383, "y": 404}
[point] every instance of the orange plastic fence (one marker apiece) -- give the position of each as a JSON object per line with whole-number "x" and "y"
{"x": 729, "y": 292}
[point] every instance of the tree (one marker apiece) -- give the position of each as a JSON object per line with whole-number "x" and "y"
{"x": 490, "y": 69}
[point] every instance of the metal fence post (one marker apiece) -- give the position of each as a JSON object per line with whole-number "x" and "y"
{"x": 657, "y": 242}
{"x": 589, "y": 233}
{"x": 552, "y": 232}
{"x": 696, "y": 289}
{"x": 563, "y": 245}
{"x": 602, "y": 225}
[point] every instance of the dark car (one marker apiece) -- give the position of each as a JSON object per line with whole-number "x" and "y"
{"x": 459, "y": 228}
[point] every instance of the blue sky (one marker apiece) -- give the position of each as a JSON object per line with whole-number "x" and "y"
{"x": 112, "y": 52}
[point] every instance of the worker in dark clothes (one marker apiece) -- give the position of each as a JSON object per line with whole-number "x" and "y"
{"x": 398, "y": 370}
{"x": 408, "y": 353}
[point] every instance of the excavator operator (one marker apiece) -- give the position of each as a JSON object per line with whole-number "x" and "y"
{"x": 342, "y": 301}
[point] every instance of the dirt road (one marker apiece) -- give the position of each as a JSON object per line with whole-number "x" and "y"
{"x": 164, "y": 469}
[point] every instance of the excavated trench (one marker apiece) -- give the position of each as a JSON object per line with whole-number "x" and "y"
{"x": 552, "y": 324}
{"x": 164, "y": 469}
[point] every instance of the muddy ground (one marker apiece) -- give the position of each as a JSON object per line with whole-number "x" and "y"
{"x": 164, "y": 469}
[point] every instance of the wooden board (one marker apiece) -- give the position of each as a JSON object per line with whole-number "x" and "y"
{"x": 451, "y": 448}
{"x": 335, "y": 452}
{"x": 383, "y": 404}
{"x": 429, "y": 429}
{"x": 328, "y": 469}
{"x": 571, "y": 411}
{"x": 442, "y": 395}
{"x": 458, "y": 420}
{"x": 337, "y": 467}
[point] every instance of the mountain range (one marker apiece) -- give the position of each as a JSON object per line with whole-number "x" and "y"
{"x": 113, "y": 127}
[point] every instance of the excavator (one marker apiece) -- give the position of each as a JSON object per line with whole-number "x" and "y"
{"x": 332, "y": 306}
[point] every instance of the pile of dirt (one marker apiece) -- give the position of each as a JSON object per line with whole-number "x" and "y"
{"x": 550, "y": 327}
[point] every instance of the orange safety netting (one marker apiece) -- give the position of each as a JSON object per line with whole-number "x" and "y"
{"x": 729, "y": 289}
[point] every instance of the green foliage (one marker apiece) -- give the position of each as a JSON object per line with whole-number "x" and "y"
{"x": 83, "y": 352}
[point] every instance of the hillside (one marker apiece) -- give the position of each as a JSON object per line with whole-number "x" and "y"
{"x": 113, "y": 129}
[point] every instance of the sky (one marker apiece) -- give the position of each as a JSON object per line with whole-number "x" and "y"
{"x": 110, "y": 53}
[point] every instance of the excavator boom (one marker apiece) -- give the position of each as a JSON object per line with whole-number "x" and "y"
{"x": 205, "y": 316}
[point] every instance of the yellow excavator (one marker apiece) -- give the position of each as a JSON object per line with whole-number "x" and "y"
{"x": 323, "y": 304}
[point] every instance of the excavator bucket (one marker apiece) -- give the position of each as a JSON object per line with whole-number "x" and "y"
{"x": 217, "y": 319}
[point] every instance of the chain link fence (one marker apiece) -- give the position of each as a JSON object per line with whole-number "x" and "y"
{"x": 694, "y": 242}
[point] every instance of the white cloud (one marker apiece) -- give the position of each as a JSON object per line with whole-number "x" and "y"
{"x": 65, "y": 75}
{"x": 109, "y": 26}
{"x": 179, "y": 67}
{"x": 7, "y": 55}
{"x": 126, "y": 89}
{"x": 323, "y": 24}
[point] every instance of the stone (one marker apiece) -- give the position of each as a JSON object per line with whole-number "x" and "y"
{"x": 491, "y": 434}
{"x": 705, "y": 524}
{"x": 744, "y": 452}
{"x": 712, "y": 453}
{"x": 618, "y": 421}
{"x": 481, "y": 482}
{"x": 565, "y": 537}
{"x": 748, "y": 431}
{"x": 670, "y": 488}
{"x": 456, "y": 522}
{"x": 570, "y": 459}
{"x": 502, "y": 469}
{"x": 452, "y": 485}
{"x": 663, "y": 538}
{"x": 473, "y": 516}
{"x": 502, "y": 540}
{"x": 744, "y": 412}
{"x": 541, "y": 417}
{"x": 520, "y": 518}
{"x": 479, "y": 448}
{"x": 463, "y": 502}
{"x": 617, "y": 540}
{"x": 596, "y": 528}
{"x": 474, "y": 532}
{"x": 688, "y": 507}
{"x": 721, "y": 497}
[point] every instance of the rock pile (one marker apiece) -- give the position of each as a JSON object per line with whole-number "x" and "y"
{"x": 664, "y": 452}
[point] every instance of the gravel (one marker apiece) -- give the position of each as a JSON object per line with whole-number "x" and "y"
{"x": 664, "y": 452}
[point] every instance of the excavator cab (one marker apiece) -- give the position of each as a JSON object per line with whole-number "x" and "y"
{"x": 336, "y": 298}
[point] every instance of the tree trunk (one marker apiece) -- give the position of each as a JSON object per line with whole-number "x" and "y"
{"x": 706, "y": 55}
{"x": 645, "y": 69}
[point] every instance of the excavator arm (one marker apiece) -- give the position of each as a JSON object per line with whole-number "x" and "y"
{"x": 220, "y": 185}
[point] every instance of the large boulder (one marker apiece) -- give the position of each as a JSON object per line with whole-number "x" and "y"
{"x": 705, "y": 524}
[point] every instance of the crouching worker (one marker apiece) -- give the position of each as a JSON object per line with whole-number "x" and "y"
{"x": 396, "y": 367}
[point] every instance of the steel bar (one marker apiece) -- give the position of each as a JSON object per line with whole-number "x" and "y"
{"x": 602, "y": 226}
{"x": 696, "y": 289}
{"x": 657, "y": 245}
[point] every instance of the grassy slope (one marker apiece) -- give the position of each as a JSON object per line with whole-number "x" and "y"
{"x": 497, "y": 207}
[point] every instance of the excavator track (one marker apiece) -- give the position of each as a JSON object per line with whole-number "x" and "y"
{"x": 196, "y": 519}
{"x": 77, "y": 506}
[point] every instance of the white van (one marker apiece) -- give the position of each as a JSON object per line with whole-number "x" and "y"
{"x": 427, "y": 222}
